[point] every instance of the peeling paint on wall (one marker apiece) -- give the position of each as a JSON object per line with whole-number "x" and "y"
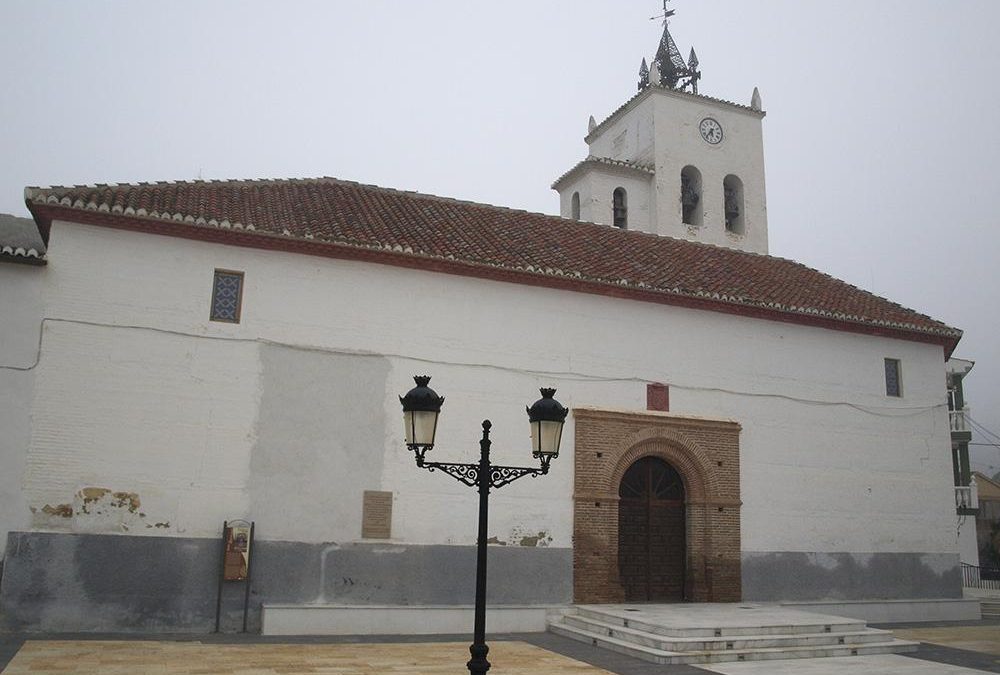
{"x": 539, "y": 540}
{"x": 95, "y": 509}
{"x": 61, "y": 510}
{"x": 129, "y": 500}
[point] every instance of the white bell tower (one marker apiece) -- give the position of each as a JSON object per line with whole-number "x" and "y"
{"x": 674, "y": 162}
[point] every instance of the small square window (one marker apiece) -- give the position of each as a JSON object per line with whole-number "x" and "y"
{"x": 893, "y": 386}
{"x": 227, "y": 296}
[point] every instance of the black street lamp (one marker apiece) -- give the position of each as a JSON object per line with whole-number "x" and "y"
{"x": 421, "y": 407}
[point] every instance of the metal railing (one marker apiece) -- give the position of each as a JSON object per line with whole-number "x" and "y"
{"x": 967, "y": 496}
{"x": 957, "y": 419}
{"x": 981, "y": 577}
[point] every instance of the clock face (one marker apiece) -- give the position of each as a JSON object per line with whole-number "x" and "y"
{"x": 711, "y": 131}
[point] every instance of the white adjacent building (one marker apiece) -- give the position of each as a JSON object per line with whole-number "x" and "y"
{"x": 741, "y": 426}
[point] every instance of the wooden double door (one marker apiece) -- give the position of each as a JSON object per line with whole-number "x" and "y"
{"x": 651, "y": 532}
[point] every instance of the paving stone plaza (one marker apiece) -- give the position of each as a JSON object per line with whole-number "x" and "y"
{"x": 955, "y": 648}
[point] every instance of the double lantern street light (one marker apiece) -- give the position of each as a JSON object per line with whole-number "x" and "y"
{"x": 421, "y": 407}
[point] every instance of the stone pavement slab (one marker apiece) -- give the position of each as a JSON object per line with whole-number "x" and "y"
{"x": 133, "y": 657}
{"x": 887, "y": 664}
{"x": 985, "y": 639}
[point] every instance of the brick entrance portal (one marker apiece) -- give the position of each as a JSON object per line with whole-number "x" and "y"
{"x": 706, "y": 454}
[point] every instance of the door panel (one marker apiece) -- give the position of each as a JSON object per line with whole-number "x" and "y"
{"x": 651, "y": 532}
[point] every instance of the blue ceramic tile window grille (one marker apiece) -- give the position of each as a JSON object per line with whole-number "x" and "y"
{"x": 227, "y": 296}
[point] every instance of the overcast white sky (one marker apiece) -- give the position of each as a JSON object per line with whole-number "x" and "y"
{"x": 881, "y": 140}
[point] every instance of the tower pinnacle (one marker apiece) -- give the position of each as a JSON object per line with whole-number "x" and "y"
{"x": 668, "y": 63}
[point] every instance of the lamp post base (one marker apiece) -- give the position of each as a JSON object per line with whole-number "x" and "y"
{"x": 478, "y": 665}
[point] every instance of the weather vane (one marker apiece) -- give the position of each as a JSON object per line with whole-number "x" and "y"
{"x": 667, "y": 13}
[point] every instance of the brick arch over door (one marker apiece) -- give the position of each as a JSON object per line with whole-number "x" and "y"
{"x": 706, "y": 454}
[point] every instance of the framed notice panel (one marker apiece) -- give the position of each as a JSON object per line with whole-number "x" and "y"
{"x": 237, "y": 549}
{"x": 236, "y": 561}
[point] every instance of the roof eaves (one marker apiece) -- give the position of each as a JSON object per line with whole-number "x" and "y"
{"x": 20, "y": 255}
{"x": 593, "y": 160}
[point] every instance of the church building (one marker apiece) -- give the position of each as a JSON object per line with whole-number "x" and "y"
{"x": 741, "y": 428}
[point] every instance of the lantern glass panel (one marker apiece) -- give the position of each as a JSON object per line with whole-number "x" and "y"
{"x": 546, "y": 436}
{"x": 421, "y": 426}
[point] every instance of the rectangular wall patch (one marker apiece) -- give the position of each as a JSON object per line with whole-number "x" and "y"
{"x": 376, "y": 515}
{"x": 657, "y": 397}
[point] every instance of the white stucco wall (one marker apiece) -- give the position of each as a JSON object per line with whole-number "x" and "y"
{"x": 20, "y": 319}
{"x": 596, "y": 186}
{"x": 661, "y": 127}
{"x": 968, "y": 546}
{"x": 137, "y": 392}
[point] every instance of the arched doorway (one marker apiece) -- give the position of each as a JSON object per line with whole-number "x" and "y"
{"x": 651, "y": 532}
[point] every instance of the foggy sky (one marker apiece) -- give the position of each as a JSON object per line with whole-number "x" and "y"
{"x": 881, "y": 140}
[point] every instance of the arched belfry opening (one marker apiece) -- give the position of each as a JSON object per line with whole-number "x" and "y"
{"x": 656, "y": 513}
{"x": 691, "y": 206}
{"x": 732, "y": 190}
{"x": 652, "y": 532}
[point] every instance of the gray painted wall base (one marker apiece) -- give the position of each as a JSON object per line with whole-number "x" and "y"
{"x": 896, "y": 611}
{"x": 397, "y": 620}
{"x": 783, "y": 576}
{"x": 120, "y": 583}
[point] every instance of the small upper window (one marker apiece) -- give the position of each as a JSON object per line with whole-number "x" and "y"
{"x": 619, "y": 207}
{"x": 227, "y": 296}
{"x": 893, "y": 383}
{"x": 575, "y": 206}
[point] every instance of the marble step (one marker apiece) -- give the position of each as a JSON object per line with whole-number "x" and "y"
{"x": 807, "y": 625}
{"x": 737, "y": 642}
{"x": 662, "y": 656}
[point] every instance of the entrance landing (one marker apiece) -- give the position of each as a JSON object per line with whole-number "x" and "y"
{"x": 715, "y": 632}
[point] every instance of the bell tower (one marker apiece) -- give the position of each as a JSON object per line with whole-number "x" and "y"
{"x": 674, "y": 162}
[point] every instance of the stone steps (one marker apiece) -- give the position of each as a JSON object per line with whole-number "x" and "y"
{"x": 990, "y": 609}
{"x": 804, "y": 623}
{"x": 727, "y": 641}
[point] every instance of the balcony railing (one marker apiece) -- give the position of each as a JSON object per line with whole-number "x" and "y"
{"x": 981, "y": 577}
{"x": 957, "y": 419}
{"x": 967, "y": 496}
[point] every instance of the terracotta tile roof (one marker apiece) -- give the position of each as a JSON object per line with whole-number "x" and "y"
{"x": 20, "y": 241}
{"x": 326, "y": 216}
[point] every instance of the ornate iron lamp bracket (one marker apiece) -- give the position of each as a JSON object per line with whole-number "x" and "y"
{"x": 496, "y": 476}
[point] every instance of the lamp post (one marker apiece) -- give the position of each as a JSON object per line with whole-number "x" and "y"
{"x": 421, "y": 407}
